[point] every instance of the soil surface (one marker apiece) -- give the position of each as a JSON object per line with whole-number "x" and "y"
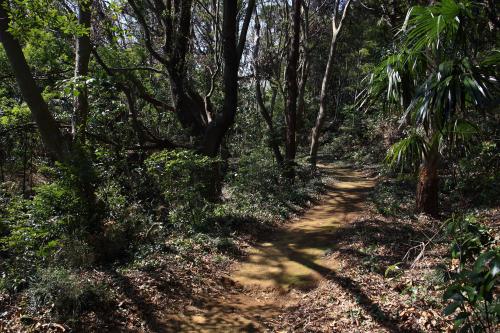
{"x": 284, "y": 265}
{"x": 325, "y": 271}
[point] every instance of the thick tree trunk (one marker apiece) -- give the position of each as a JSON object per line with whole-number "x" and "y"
{"x": 232, "y": 52}
{"x": 428, "y": 185}
{"x": 82, "y": 58}
{"x": 51, "y": 135}
{"x": 320, "y": 119}
{"x": 292, "y": 91}
{"x": 189, "y": 106}
{"x": 218, "y": 127}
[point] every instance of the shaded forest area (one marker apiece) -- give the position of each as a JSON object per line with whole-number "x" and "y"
{"x": 146, "y": 146}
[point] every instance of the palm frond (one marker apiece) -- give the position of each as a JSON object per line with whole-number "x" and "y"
{"x": 407, "y": 152}
{"x": 428, "y": 27}
{"x": 462, "y": 132}
{"x": 454, "y": 87}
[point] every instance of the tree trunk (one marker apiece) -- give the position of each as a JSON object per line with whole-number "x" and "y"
{"x": 51, "y": 135}
{"x": 82, "y": 58}
{"x": 304, "y": 72}
{"x": 222, "y": 121}
{"x": 52, "y": 138}
{"x": 320, "y": 119}
{"x": 301, "y": 102}
{"x": 428, "y": 184}
{"x": 232, "y": 52}
{"x": 492, "y": 14}
{"x": 292, "y": 90}
{"x": 273, "y": 142}
{"x": 189, "y": 107}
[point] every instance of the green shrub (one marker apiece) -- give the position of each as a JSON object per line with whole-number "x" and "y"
{"x": 479, "y": 177}
{"x": 257, "y": 189}
{"x": 68, "y": 293}
{"x": 185, "y": 181}
{"x": 39, "y": 224}
{"x": 394, "y": 198}
{"x": 124, "y": 219}
{"x": 38, "y": 229}
{"x": 471, "y": 292}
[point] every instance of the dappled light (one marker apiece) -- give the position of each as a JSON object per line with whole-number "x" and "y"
{"x": 294, "y": 166}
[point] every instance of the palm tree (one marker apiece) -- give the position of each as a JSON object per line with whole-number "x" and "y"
{"x": 438, "y": 77}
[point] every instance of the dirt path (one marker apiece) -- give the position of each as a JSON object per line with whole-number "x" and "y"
{"x": 285, "y": 264}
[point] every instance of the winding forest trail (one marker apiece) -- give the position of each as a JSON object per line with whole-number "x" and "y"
{"x": 286, "y": 263}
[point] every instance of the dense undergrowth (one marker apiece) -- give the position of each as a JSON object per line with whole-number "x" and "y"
{"x": 157, "y": 209}
{"x": 464, "y": 240}
{"x": 113, "y": 208}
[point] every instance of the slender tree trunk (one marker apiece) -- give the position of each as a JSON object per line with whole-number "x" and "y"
{"x": 273, "y": 142}
{"x": 51, "y": 135}
{"x": 301, "y": 102}
{"x": 304, "y": 71}
{"x": 428, "y": 184}
{"x": 82, "y": 58}
{"x": 492, "y": 14}
{"x": 320, "y": 119}
{"x": 292, "y": 90}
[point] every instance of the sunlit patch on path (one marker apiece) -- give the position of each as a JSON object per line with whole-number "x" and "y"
{"x": 294, "y": 258}
{"x": 278, "y": 263}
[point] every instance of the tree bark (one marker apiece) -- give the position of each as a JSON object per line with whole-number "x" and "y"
{"x": 292, "y": 90}
{"x": 218, "y": 127}
{"x": 320, "y": 119}
{"x": 190, "y": 107}
{"x": 273, "y": 142}
{"x": 427, "y": 199}
{"x": 492, "y": 14}
{"x": 232, "y": 52}
{"x": 301, "y": 102}
{"x": 51, "y": 135}
{"x": 82, "y": 58}
{"x": 304, "y": 71}
{"x": 176, "y": 20}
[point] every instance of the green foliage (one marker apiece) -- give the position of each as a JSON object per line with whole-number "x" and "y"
{"x": 407, "y": 152}
{"x": 16, "y": 115}
{"x": 69, "y": 293}
{"x": 187, "y": 181}
{"x": 439, "y": 78}
{"x": 477, "y": 180}
{"x": 393, "y": 270}
{"x": 38, "y": 229}
{"x": 394, "y": 197}
{"x": 434, "y": 25}
{"x": 469, "y": 238}
{"x": 28, "y": 17}
{"x": 257, "y": 189}
{"x": 472, "y": 296}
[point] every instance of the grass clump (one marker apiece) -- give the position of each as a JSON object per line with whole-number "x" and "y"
{"x": 68, "y": 294}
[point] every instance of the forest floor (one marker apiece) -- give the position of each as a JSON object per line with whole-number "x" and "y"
{"x": 319, "y": 274}
{"x": 293, "y": 258}
{"x": 340, "y": 266}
